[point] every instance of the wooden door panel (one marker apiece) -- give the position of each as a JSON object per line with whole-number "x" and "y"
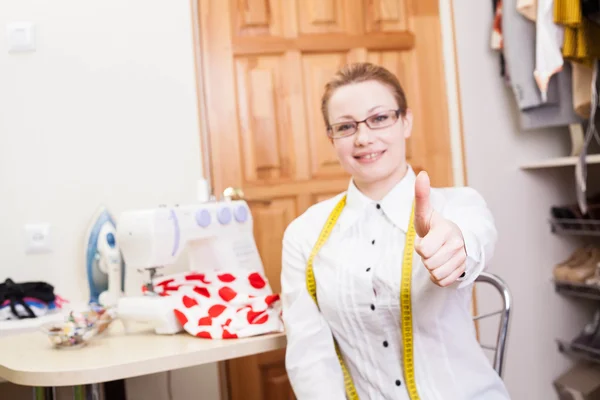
{"x": 265, "y": 64}
{"x": 257, "y": 17}
{"x": 434, "y": 146}
{"x": 386, "y": 15}
{"x": 259, "y": 377}
{"x": 270, "y": 220}
{"x": 264, "y": 118}
{"x": 275, "y": 383}
{"x": 322, "y": 16}
{"x": 318, "y": 69}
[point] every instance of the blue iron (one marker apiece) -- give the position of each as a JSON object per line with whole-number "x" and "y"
{"x": 104, "y": 264}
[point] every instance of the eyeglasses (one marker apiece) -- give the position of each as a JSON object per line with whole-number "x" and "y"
{"x": 376, "y": 121}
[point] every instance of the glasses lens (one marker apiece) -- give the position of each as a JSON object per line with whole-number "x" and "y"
{"x": 382, "y": 120}
{"x": 343, "y": 129}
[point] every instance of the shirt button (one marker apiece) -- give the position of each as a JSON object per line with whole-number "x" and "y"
{"x": 378, "y": 206}
{"x": 368, "y": 269}
{"x": 398, "y": 383}
{"x": 373, "y": 241}
{"x": 385, "y": 343}
{"x": 372, "y": 306}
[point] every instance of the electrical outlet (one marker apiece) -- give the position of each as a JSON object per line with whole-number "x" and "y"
{"x": 20, "y": 37}
{"x": 37, "y": 238}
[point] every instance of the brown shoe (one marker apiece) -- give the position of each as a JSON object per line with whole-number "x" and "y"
{"x": 585, "y": 270}
{"x": 579, "y": 257}
{"x": 595, "y": 279}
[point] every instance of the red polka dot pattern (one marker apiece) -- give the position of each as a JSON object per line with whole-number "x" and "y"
{"x": 216, "y": 310}
{"x": 227, "y": 278}
{"x": 227, "y": 293}
{"x": 203, "y": 291}
{"x": 225, "y": 305}
{"x": 181, "y": 317}
{"x": 188, "y": 302}
{"x": 256, "y": 281}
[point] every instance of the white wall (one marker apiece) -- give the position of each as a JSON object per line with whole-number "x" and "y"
{"x": 103, "y": 112}
{"x": 495, "y": 146}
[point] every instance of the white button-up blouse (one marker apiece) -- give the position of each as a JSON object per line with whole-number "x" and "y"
{"x": 358, "y": 275}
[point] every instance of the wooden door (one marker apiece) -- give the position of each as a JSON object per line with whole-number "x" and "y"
{"x": 265, "y": 63}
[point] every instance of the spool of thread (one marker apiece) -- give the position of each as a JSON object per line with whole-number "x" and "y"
{"x": 203, "y": 190}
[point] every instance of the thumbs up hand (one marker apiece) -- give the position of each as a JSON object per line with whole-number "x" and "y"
{"x": 442, "y": 246}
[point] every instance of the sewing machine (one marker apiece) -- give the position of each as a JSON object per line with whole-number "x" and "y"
{"x": 215, "y": 235}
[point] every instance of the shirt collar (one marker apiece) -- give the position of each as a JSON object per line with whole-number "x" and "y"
{"x": 396, "y": 205}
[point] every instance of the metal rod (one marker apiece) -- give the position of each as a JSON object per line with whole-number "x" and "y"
{"x": 501, "y": 339}
{"x": 95, "y": 392}
{"x": 488, "y": 315}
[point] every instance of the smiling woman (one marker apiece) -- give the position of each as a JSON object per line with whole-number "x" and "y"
{"x": 363, "y": 101}
{"x": 365, "y": 316}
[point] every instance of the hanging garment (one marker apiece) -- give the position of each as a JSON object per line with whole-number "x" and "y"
{"x": 519, "y": 35}
{"x": 496, "y": 38}
{"x": 582, "y": 89}
{"x": 591, "y": 9}
{"x": 561, "y": 114}
{"x": 581, "y": 43}
{"x": 591, "y": 132}
{"x": 528, "y": 8}
{"x": 548, "y": 41}
{"x": 223, "y": 304}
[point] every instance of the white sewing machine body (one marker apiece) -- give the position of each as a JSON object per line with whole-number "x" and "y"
{"x": 215, "y": 235}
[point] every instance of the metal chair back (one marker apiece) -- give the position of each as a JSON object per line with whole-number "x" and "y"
{"x": 501, "y": 339}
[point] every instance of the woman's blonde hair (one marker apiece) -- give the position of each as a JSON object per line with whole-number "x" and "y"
{"x": 361, "y": 72}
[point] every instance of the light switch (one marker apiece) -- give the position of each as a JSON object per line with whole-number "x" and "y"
{"x": 37, "y": 238}
{"x": 20, "y": 37}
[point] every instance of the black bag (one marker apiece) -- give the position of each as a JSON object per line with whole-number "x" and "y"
{"x": 15, "y": 293}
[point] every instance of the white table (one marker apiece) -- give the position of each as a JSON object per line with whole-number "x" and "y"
{"x": 29, "y": 358}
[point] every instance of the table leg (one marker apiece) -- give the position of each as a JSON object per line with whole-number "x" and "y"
{"x": 87, "y": 392}
{"x": 79, "y": 392}
{"x": 94, "y": 392}
{"x": 44, "y": 393}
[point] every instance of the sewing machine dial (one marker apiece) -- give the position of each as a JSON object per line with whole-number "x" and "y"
{"x": 203, "y": 218}
{"x": 241, "y": 214}
{"x": 224, "y": 215}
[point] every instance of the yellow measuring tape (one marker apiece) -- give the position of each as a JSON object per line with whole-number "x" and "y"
{"x": 405, "y": 301}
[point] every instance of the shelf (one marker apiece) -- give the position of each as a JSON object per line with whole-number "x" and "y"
{"x": 574, "y": 289}
{"x": 561, "y": 162}
{"x": 579, "y": 227}
{"x": 579, "y": 351}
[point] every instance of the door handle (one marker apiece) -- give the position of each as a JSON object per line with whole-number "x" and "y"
{"x": 231, "y": 193}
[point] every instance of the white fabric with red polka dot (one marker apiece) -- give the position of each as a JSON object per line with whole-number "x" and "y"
{"x": 223, "y": 304}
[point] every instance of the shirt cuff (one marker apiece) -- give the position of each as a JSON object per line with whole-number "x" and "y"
{"x": 474, "y": 262}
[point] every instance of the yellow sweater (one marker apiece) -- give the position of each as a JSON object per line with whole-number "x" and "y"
{"x": 582, "y": 36}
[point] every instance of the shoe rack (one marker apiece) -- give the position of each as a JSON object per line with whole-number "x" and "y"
{"x": 579, "y": 274}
